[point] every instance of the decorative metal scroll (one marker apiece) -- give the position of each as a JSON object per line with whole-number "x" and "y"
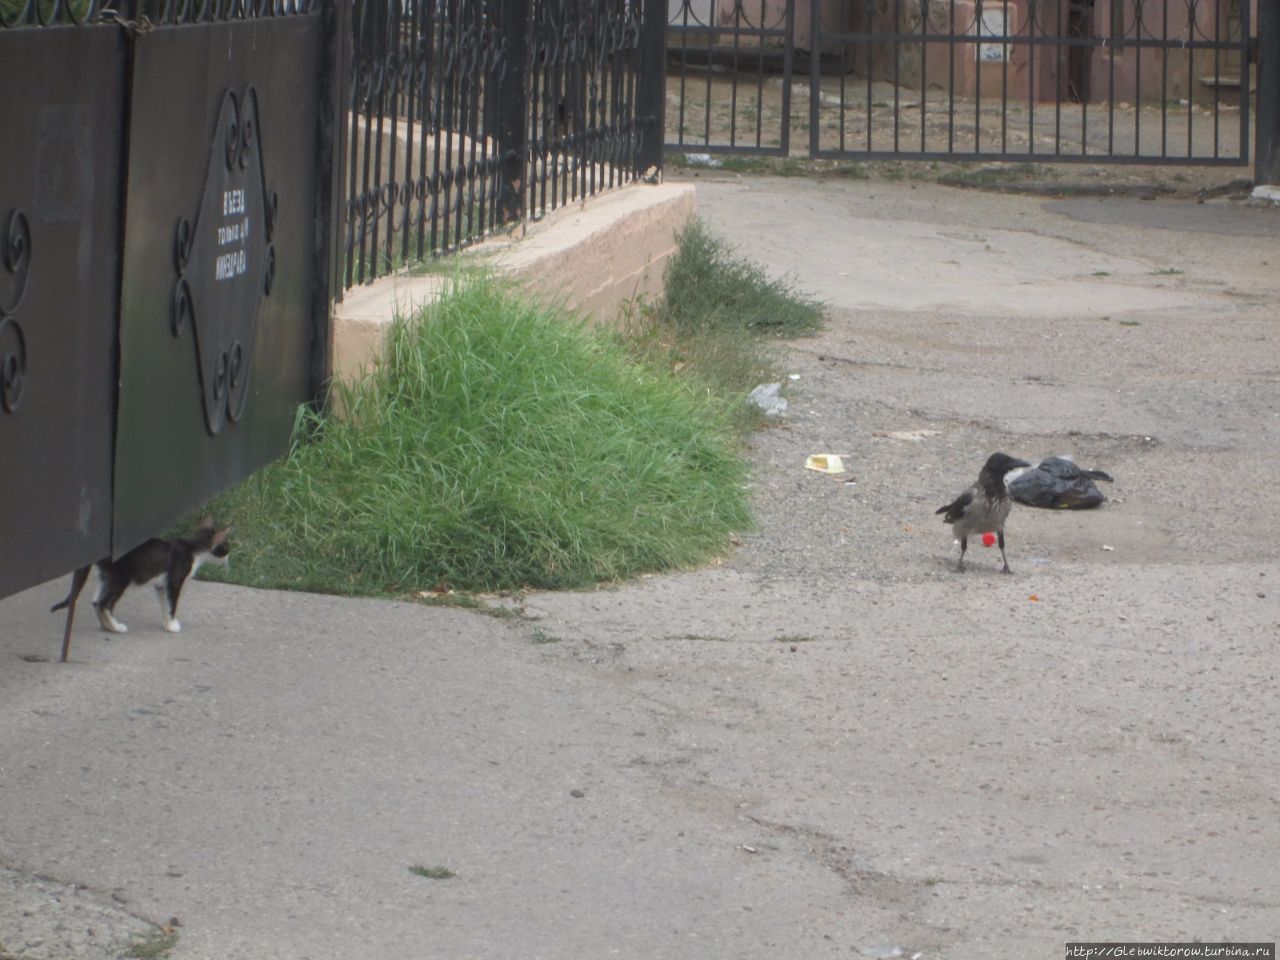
{"x": 754, "y": 18}
{"x": 16, "y": 259}
{"x": 225, "y": 261}
{"x": 584, "y": 66}
{"x": 424, "y": 165}
{"x": 45, "y": 13}
{"x": 752, "y": 40}
{"x": 436, "y": 161}
{"x": 1136, "y": 22}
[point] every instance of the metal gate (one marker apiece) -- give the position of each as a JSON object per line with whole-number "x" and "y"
{"x": 1102, "y": 81}
{"x": 167, "y": 237}
{"x": 215, "y": 319}
{"x": 729, "y": 72}
{"x": 60, "y": 217}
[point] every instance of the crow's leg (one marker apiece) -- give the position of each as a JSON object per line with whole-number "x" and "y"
{"x": 964, "y": 545}
{"x": 1000, "y": 537}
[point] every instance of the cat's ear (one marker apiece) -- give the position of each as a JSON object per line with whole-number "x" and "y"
{"x": 208, "y": 524}
{"x": 221, "y": 536}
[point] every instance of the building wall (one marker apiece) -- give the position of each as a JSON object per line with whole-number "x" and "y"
{"x": 1125, "y": 74}
{"x": 1145, "y": 75}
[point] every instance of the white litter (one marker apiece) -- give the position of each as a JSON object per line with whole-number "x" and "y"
{"x": 825, "y": 463}
{"x": 768, "y": 398}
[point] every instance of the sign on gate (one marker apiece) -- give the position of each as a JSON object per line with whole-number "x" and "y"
{"x": 165, "y": 226}
{"x": 215, "y": 324}
{"x": 225, "y": 261}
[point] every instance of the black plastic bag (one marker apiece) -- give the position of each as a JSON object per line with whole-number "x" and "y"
{"x": 1060, "y": 485}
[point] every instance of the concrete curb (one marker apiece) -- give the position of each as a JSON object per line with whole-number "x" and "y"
{"x": 593, "y": 256}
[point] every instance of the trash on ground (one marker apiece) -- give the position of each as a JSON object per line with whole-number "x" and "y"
{"x": 768, "y": 398}
{"x": 885, "y": 952}
{"x": 793, "y": 376}
{"x": 1058, "y": 484}
{"x": 1108, "y": 547}
{"x": 825, "y": 463}
{"x": 912, "y": 436}
{"x": 702, "y": 160}
{"x": 1034, "y": 598}
{"x": 988, "y": 539}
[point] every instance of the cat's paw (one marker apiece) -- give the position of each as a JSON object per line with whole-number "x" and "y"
{"x": 107, "y": 622}
{"x": 173, "y": 626}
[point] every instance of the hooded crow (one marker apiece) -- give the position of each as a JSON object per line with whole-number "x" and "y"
{"x": 984, "y": 506}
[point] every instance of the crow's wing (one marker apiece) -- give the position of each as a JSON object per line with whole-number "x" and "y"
{"x": 954, "y": 510}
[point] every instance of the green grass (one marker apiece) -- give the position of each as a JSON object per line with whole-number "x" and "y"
{"x": 432, "y": 873}
{"x": 463, "y": 601}
{"x": 154, "y": 946}
{"x": 771, "y": 166}
{"x": 709, "y": 287}
{"x": 713, "y": 327}
{"x": 714, "y": 359}
{"x": 42, "y": 12}
{"x": 502, "y": 445}
{"x": 997, "y": 173}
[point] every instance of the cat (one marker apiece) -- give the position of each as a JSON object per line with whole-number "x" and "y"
{"x": 164, "y": 563}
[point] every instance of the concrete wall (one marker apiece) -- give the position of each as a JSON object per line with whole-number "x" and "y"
{"x": 593, "y": 257}
{"x": 1142, "y": 75}
{"x": 1103, "y": 73}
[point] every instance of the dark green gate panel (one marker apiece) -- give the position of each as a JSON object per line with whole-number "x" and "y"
{"x": 61, "y": 124}
{"x": 216, "y": 311}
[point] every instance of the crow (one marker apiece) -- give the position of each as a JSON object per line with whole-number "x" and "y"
{"x": 984, "y": 506}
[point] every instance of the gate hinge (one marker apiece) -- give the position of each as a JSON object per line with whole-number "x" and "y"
{"x": 135, "y": 27}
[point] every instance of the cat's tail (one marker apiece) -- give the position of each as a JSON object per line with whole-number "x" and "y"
{"x": 77, "y": 584}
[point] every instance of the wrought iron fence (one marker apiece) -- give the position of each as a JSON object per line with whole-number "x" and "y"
{"x": 48, "y": 13}
{"x": 1120, "y": 81}
{"x": 725, "y": 62}
{"x": 1138, "y": 81}
{"x": 583, "y": 83}
{"x": 469, "y": 115}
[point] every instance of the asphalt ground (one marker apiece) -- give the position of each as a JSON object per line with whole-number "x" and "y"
{"x": 828, "y": 743}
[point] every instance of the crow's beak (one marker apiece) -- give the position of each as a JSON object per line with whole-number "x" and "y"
{"x": 1020, "y": 463}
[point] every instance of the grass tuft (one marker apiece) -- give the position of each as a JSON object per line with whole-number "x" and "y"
{"x": 709, "y": 287}
{"x": 502, "y": 445}
{"x": 432, "y": 873}
{"x": 156, "y": 945}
